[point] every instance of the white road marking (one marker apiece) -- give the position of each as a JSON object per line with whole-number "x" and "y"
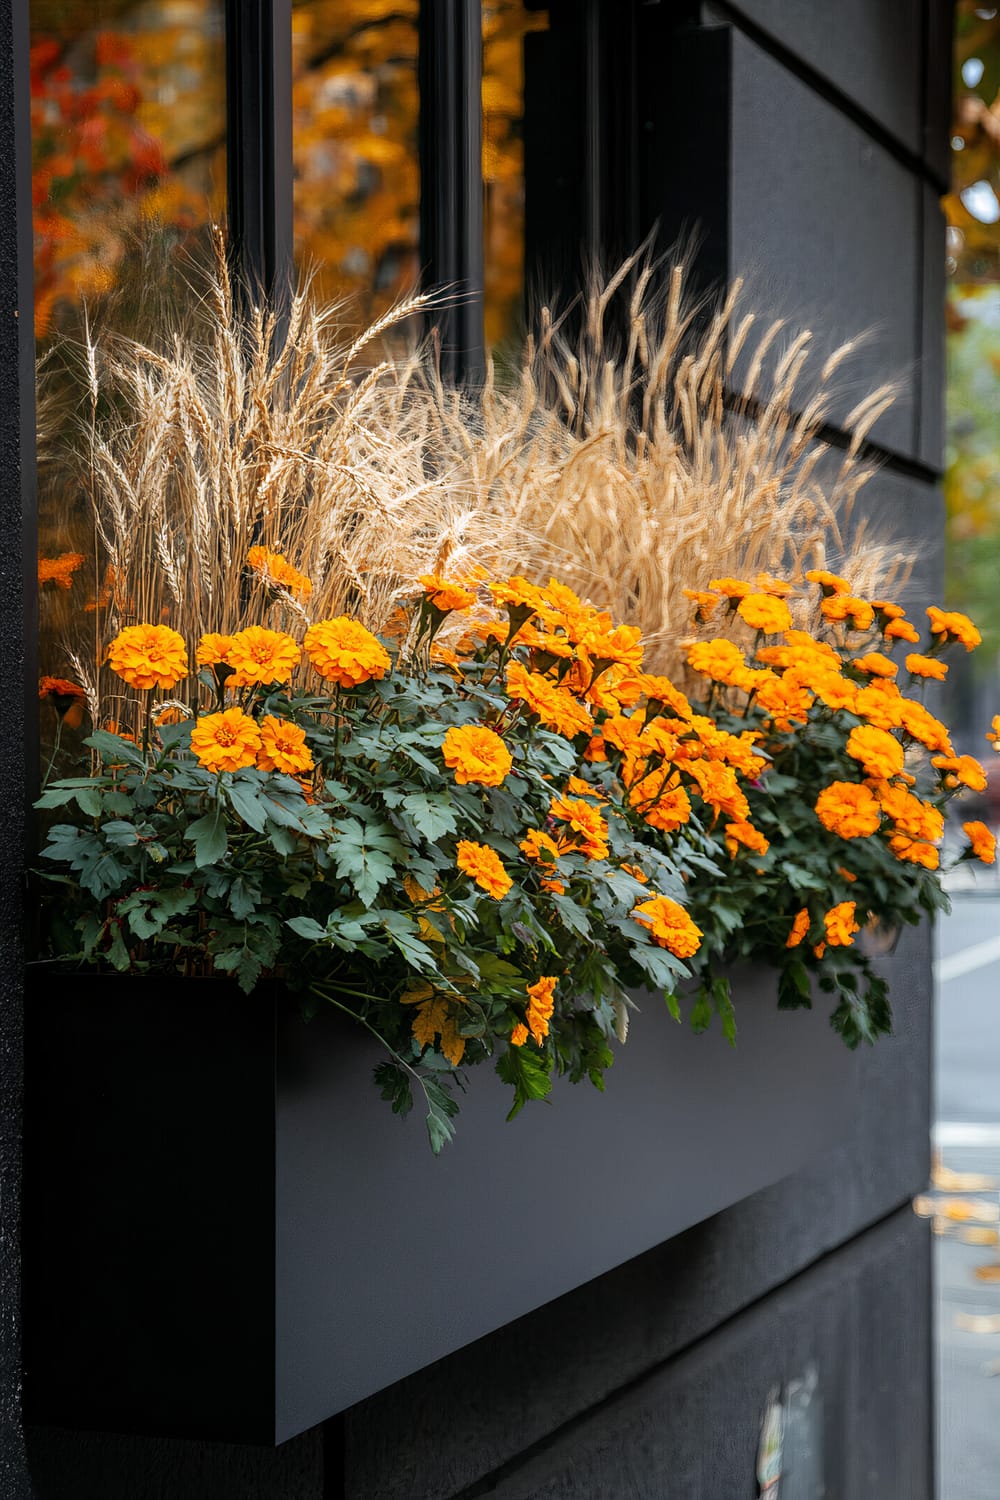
{"x": 966, "y": 960}
{"x": 947, "y": 1134}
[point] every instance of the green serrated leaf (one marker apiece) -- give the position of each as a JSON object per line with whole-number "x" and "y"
{"x": 208, "y": 834}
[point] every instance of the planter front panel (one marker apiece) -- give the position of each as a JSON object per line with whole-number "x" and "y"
{"x": 229, "y": 1235}
{"x": 388, "y": 1259}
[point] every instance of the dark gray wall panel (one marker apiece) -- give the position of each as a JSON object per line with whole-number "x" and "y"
{"x": 826, "y": 226}
{"x": 873, "y": 54}
{"x": 931, "y": 445}
{"x": 91, "y": 1466}
{"x": 692, "y": 1429}
{"x": 514, "y": 1388}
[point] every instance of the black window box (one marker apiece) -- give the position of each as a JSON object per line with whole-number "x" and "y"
{"x": 229, "y": 1236}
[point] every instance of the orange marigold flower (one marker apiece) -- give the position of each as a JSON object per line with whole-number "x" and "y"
{"x": 843, "y": 607}
{"x": 483, "y": 865}
{"x": 719, "y": 659}
{"x": 910, "y": 814}
{"x": 519, "y": 1035}
{"x": 213, "y": 650}
{"x": 343, "y": 651}
{"x": 921, "y": 725}
{"x": 834, "y": 691}
{"x": 518, "y": 593}
{"x": 847, "y": 809}
{"x": 555, "y": 708}
{"x": 874, "y": 664}
{"x": 719, "y": 787}
{"x": 540, "y": 848}
{"x": 262, "y": 656}
{"x": 879, "y": 752}
{"x": 476, "y": 754}
{"x": 705, "y": 604}
{"x": 227, "y": 741}
{"x": 840, "y": 925}
{"x": 799, "y": 928}
{"x": 660, "y": 800}
{"x": 59, "y": 570}
{"x": 965, "y": 769}
{"x": 926, "y": 666}
{"x": 670, "y": 926}
{"x": 765, "y": 612}
{"x": 660, "y": 689}
{"x": 887, "y": 610}
{"x": 747, "y": 835}
{"x": 445, "y": 593}
{"x": 776, "y": 586}
{"x": 595, "y": 751}
{"x": 786, "y": 702}
{"x": 881, "y": 704}
{"x": 901, "y": 630}
{"x": 983, "y": 842}
{"x": 585, "y": 821}
{"x": 61, "y": 692}
{"x": 830, "y": 583}
{"x": 636, "y": 873}
{"x": 283, "y": 747}
{"x": 914, "y": 851}
{"x": 274, "y": 568}
{"x": 733, "y": 588}
{"x": 148, "y": 656}
{"x": 949, "y": 623}
{"x": 993, "y": 733}
{"x": 540, "y": 1006}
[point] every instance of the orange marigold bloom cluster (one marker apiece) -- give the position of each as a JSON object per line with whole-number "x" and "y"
{"x": 259, "y": 657}
{"x": 59, "y": 570}
{"x": 722, "y": 661}
{"x": 840, "y": 925}
{"x": 555, "y": 708}
{"x": 732, "y": 588}
{"x": 148, "y": 656}
{"x": 982, "y": 841}
{"x": 800, "y": 927}
{"x": 213, "y": 650}
{"x": 483, "y": 865}
{"x": 843, "y": 607}
{"x": 541, "y": 1003}
{"x": 949, "y": 624}
{"x": 993, "y": 733}
{"x": 874, "y": 664}
{"x": 61, "y": 691}
{"x": 879, "y": 752}
{"x": 926, "y": 666}
{"x": 911, "y": 815}
{"x": 274, "y": 568}
{"x": 586, "y": 823}
{"x": 830, "y": 583}
{"x": 901, "y": 630}
{"x": 283, "y": 747}
{"x": 921, "y": 725}
{"x": 227, "y": 741}
{"x": 719, "y": 787}
{"x": 847, "y": 809}
{"x": 446, "y": 594}
{"x": 343, "y": 651}
{"x": 476, "y": 754}
{"x": 962, "y": 770}
{"x": 669, "y": 925}
{"x": 660, "y": 800}
{"x": 765, "y": 612}
{"x": 915, "y": 851}
{"x": 748, "y": 836}
{"x": 705, "y": 604}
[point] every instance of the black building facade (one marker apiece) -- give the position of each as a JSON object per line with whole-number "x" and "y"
{"x": 806, "y": 147}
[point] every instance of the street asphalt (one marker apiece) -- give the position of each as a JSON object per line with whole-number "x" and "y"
{"x": 967, "y": 1206}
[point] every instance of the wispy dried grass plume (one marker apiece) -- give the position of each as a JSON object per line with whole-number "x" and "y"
{"x": 616, "y": 455}
{"x": 637, "y": 464}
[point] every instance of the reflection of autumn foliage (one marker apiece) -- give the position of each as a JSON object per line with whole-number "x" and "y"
{"x": 505, "y": 23}
{"x": 125, "y": 126}
{"x": 357, "y": 177}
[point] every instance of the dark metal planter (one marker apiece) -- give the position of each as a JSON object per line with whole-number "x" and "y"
{"x": 228, "y": 1235}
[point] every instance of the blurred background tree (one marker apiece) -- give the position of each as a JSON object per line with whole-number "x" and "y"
{"x": 972, "y": 481}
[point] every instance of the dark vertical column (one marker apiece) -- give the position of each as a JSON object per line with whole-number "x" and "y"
{"x": 259, "y": 148}
{"x": 18, "y": 679}
{"x": 451, "y": 182}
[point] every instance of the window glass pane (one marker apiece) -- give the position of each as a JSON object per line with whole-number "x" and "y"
{"x": 128, "y": 143}
{"x": 357, "y": 175}
{"x": 508, "y": 29}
